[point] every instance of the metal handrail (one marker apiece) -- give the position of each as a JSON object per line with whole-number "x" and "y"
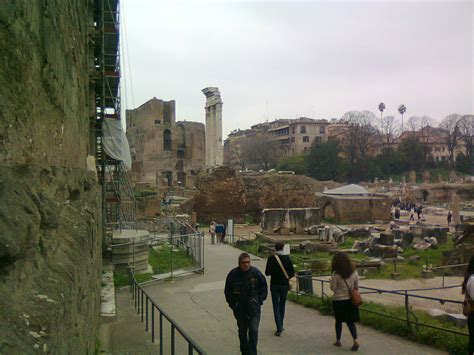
{"x": 403, "y": 293}
{"x": 138, "y": 295}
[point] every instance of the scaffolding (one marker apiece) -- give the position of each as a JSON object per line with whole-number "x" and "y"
{"x": 118, "y": 201}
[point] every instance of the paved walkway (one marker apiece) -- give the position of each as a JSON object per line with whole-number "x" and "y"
{"x": 197, "y": 303}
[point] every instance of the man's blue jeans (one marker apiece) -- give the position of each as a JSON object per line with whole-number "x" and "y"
{"x": 248, "y": 333}
{"x": 279, "y": 294}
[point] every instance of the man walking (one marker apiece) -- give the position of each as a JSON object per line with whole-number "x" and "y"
{"x": 245, "y": 290}
{"x": 280, "y": 268}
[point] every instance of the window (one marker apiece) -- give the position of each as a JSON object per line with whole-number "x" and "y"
{"x": 157, "y": 122}
{"x": 293, "y": 130}
{"x": 303, "y": 129}
{"x": 322, "y": 129}
{"x": 167, "y": 140}
{"x": 318, "y": 139}
{"x": 292, "y": 139}
{"x": 305, "y": 139}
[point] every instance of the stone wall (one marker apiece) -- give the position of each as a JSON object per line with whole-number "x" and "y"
{"x": 355, "y": 209}
{"x": 50, "y": 246}
{"x": 226, "y": 194}
{"x": 164, "y": 152}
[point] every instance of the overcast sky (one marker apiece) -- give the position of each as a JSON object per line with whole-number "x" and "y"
{"x": 317, "y": 59}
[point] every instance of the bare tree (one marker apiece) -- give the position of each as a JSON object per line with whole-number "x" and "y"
{"x": 358, "y": 139}
{"x": 451, "y": 124}
{"x": 466, "y": 128}
{"x": 390, "y": 130}
{"x": 422, "y": 131}
{"x": 257, "y": 151}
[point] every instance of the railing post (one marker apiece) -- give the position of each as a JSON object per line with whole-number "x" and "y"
{"x": 190, "y": 348}
{"x": 172, "y": 339}
{"x": 161, "y": 333}
{"x": 152, "y": 322}
{"x": 407, "y": 311}
{"x": 142, "y": 306}
{"x": 146, "y": 313}
{"x": 322, "y": 289}
{"x": 138, "y": 309}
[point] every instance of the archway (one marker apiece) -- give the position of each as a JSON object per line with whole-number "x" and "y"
{"x": 425, "y": 195}
{"x": 328, "y": 212}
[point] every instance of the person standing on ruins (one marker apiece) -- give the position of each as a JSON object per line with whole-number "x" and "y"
{"x": 245, "y": 291}
{"x": 450, "y": 218}
{"x": 212, "y": 232}
{"x": 344, "y": 278}
{"x": 280, "y": 268}
{"x": 468, "y": 292}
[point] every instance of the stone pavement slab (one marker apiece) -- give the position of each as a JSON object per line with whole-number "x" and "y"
{"x": 197, "y": 303}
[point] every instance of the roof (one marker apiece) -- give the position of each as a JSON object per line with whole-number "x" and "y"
{"x": 351, "y": 189}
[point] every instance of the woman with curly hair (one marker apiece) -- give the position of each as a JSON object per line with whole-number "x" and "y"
{"x": 344, "y": 278}
{"x": 468, "y": 291}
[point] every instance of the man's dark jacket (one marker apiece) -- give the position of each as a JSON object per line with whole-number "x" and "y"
{"x": 273, "y": 269}
{"x": 245, "y": 291}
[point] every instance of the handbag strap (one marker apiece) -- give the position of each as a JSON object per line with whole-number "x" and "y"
{"x": 347, "y": 285}
{"x": 282, "y": 267}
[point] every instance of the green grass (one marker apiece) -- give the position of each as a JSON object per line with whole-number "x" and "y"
{"x": 160, "y": 261}
{"x": 318, "y": 261}
{"x": 410, "y": 269}
{"x": 453, "y": 343}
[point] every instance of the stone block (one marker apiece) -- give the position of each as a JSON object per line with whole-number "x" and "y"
{"x": 407, "y": 239}
{"x": 386, "y": 238}
{"x": 458, "y": 320}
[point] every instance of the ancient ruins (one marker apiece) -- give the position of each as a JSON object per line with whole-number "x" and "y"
{"x": 214, "y": 152}
{"x": 165, "y": 153}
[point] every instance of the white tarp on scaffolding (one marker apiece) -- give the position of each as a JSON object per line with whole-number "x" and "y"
{"x": 116, "y": 142}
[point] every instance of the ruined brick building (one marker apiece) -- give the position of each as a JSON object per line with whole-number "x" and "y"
{"x": 165, "y": 153}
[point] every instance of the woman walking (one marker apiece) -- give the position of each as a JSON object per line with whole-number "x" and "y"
{"x": 344, "y": 278}
{"x": 468, "y": 291}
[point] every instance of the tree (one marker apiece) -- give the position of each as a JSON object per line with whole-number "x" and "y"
{"x": 466, "y": 129}
{"x": 413, "y": 151}
{"x": 257, "y": 151}
{"x": 402, "y": 109}
{"x": 451, "y": 125}
{"x": 357, "y": 141}
{"x": 422, "y": 130}
{"x": 381, "y": 109}
{"x": 324, "y": 163}
{"x": 390, "y": 131}
{"x": 296, "y": 163}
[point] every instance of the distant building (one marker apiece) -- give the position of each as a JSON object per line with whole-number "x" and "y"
{"x": 165, "y": 153}
{"x": 285, "y": 137}
{"x": 436, "y": 141}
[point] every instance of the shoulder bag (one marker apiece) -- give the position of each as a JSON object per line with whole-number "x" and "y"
{"x": 283, "y": 269}
{"x": 355, "y": 296}
{"x": 466, "y": 305}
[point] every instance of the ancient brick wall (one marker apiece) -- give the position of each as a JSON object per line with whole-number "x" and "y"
{"x": 164, "y": 151}
{"x": 227, "y": 194}
{"x": 50, "y": 245}
{"x": 354, "y": 209}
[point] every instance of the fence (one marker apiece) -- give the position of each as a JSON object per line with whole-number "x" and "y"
{"x": 147, "y": 308}
{"x": 403, "y": 295}
{"x": 181, "y": 247}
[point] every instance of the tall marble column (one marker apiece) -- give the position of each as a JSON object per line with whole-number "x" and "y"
{"x": 214, "y": 149}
